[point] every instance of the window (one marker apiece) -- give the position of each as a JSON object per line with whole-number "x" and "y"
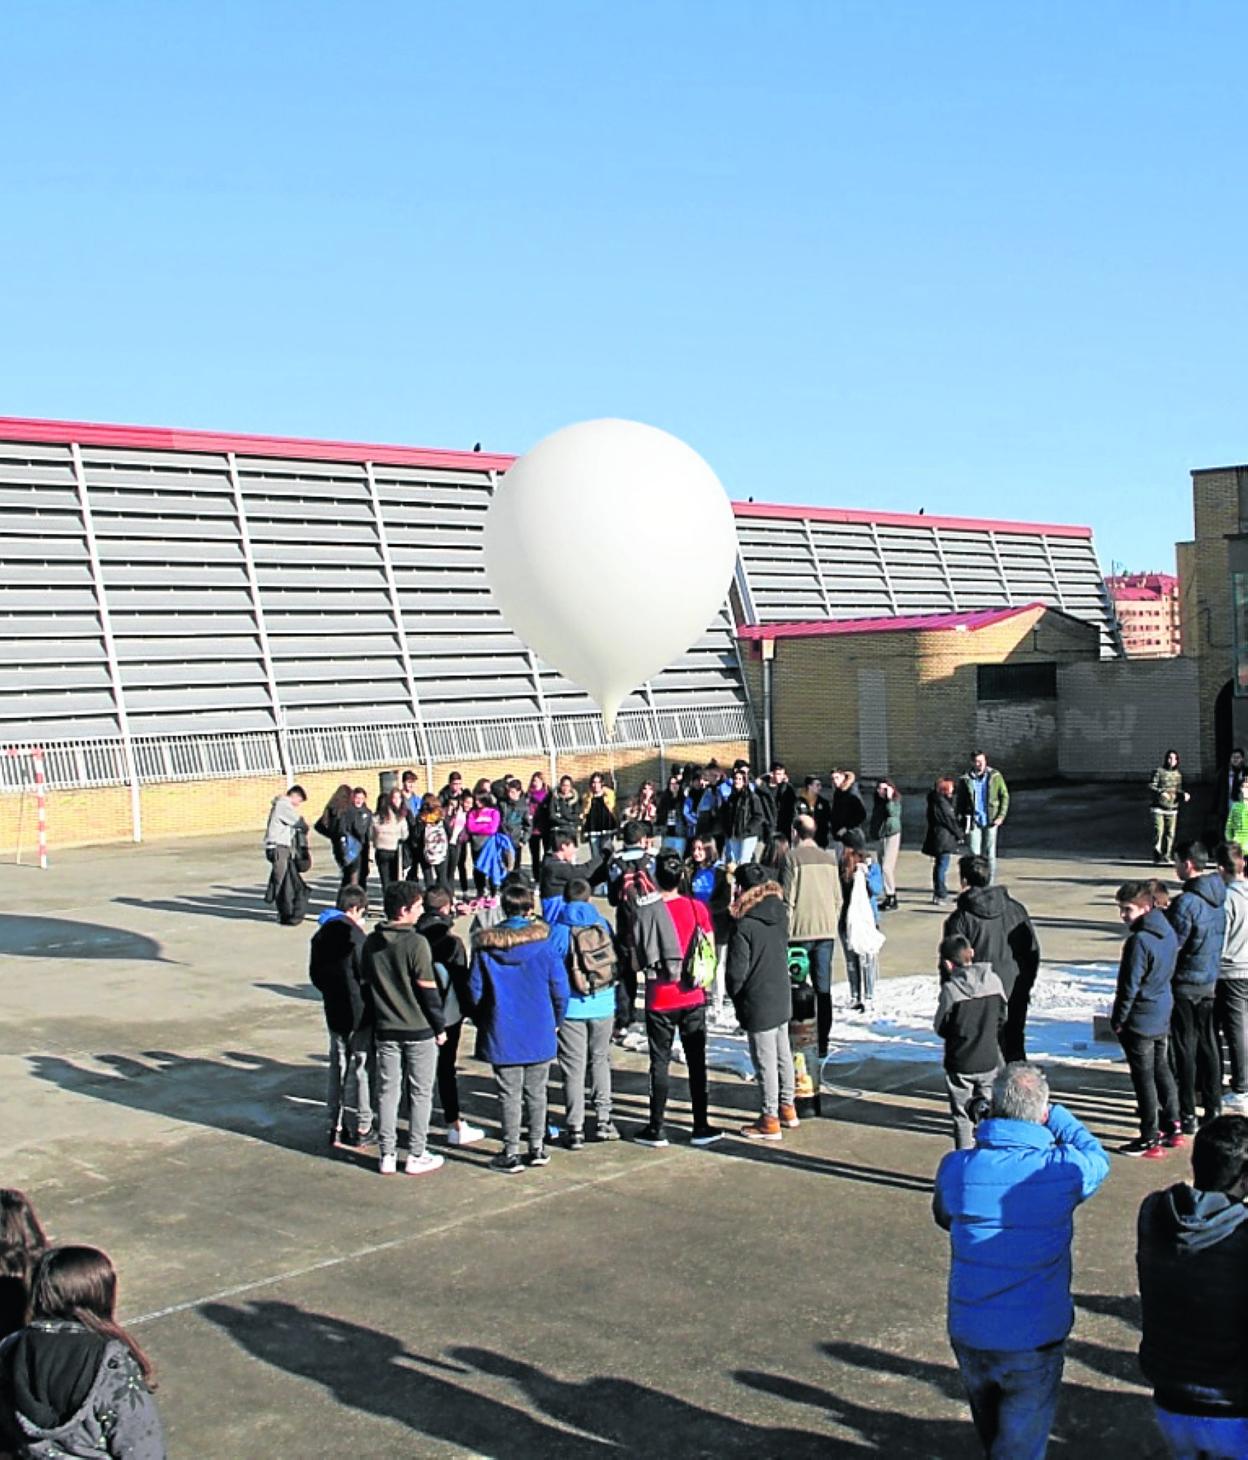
{"x": 1017, "y": 681}
{"x": 1239, "y": 619}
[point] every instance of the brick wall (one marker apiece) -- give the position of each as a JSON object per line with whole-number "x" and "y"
{"x": 213, "y": 808}
{"x": 1117, "y": 718}
{"x": 1205, "y": 594}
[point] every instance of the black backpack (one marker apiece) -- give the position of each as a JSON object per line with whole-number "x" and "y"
{"x": 594, "y": 963}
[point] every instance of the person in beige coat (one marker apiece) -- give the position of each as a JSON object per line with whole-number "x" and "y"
{"x": 812, "y": 893}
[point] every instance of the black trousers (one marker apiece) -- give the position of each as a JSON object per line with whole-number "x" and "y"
{"x": 388, "y": 866}
{"x": 1194, "y": 1055}
{"x": 1014, "y": 1035}
{"x": 1155, "y": 1093}
{"x": 448, "y": 1086}
{"x": 661, "y": 1029}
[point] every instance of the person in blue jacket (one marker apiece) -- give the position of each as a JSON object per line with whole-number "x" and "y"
{"x": 1198, "y": 917}
{"x": 519, "y": 989}
{"x": 585, "y": 1034}
{"x": 1141, "y": 1019}
{"x": 1008, "y": 1205}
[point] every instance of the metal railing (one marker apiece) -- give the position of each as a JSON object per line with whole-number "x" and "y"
{"x": 87, "y": 763}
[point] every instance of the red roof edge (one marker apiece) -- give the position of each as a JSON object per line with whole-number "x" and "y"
{"x": 921, "y": 623}
{"x": 905, "y": 519}
{"x": 161, "y": 438}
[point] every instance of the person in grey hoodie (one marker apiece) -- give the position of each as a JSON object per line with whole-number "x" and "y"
{"x": 1198, "y": 917}
{"x": 970, "y": 1018}
{"x": 1231, "y": 997}
{"x": 1192, "y": 1261}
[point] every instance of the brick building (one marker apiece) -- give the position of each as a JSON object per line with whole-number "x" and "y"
{"x": 1147, "y": 607}
{"x": 1213, "y": 595}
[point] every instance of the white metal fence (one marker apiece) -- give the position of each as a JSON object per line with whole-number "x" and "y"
{"x": 79, "y": 764}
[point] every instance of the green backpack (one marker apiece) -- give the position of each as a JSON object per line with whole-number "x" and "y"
{"x": 799, "y": 964}
{"x": 701, "y": 961}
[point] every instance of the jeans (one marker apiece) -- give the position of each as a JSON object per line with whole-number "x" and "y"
{"x": 1152, "y": 1081}
{"x": 862, "y": 969}
{"x": 962, "y": 1090}
{"x": 527, "y": 1084}
{"x": 890, "y": 850}
{"x": 537, "y": 850}
{"x": 348, "y": 1076}
{"x": 1164, "y": 823}
{"x": 940, "y": 870}
{"x": 1201, "y": 1437}
{"x": 1231, "y": 1009}
{"x": 661, "y": 1029}
{"x": 772, "y": 1059}
{"x": 738, "y": 849}
{"x": 388, "y": 866}
{"x": 1195, "y": 1057}
{"x": 821, "y": 951}
{"x": 460, "y": 854}
{"x": 982, "y": 841}
{"x": 585, "y": 1042}
{"x": 1013, "y": 1397}
{"x": 448, "y": 1085}
{"x": 405, "y": 1071}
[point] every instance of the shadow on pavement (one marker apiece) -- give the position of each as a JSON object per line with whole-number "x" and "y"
{"x": 34, "y": 937}
{"x": 377, "y": 1374}
{"x": 291, "y": 991}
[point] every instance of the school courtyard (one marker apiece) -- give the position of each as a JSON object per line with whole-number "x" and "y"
{"x": 161, "y": 1071}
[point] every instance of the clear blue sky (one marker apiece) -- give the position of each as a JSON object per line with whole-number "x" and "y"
{"x": 978, "y": 258}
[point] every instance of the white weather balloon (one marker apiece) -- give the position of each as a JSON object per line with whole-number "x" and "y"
{"x": 609, "y": 548}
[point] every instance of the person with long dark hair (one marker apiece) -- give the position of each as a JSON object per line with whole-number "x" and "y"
{"x": 539, "y": 818}
{"x": 22, "y": 1243}
{"x": 73, "y": 1381}
{"x": 390, "y": 831}
{"x": 886, "y": 834}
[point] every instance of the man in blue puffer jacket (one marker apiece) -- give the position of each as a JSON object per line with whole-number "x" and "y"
{"x": 1198, "y": 917}
{"x": 519, "y": 992}
{"x": 585, "y": 1034}
{"x": 1008, "y": 1206}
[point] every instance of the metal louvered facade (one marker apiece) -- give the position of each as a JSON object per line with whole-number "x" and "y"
{"x": 172, "y": 607}
{"x": 806, "y": 564}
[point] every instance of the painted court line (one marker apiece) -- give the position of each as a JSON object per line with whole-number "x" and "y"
{"x": 328, "y": 1262}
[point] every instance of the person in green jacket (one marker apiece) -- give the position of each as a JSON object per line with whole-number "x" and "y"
{"x": 983, "y": 803}
{"x": 886, "y": 833}
{"x": 1237, "y": 818}
{"x": 1168, "y": 796}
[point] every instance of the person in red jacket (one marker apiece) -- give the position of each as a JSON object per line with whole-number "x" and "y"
{"x": 662, "y": 927}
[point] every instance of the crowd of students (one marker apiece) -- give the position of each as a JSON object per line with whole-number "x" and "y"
{"x": 725, "y": 889}
{"x": 72, "y": 1380}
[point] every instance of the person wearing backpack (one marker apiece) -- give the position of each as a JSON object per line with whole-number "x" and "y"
{"x": 583, "y": 939}
{"x": 674, "y": 944}
{"x": 757, "y": 979}
{"x": 433, "y": 843}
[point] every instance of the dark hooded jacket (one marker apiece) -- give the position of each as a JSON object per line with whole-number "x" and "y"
{"x": 944, "y": 834}
{"x": 1198, "y": 917}
{"x": 847, "y": 807}
{"x": 398, "y": 971}
{"x": 66, "y": 1391}
{"x": 563, "y": 814}
{"x": 743, "y": 814}
{"x": 519, "y": 988}
{"x": 447, "y": 949}
{"x": 1144, "y": 1000}
{"x": 1192, "y": 1259}
{"x": 334, "y": 966}
{"x": 1000, "y": 933}
{"x": 970, "y": 1018}
{"x": 756, "y": 975}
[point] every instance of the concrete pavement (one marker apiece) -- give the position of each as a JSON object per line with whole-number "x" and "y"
{"x": 161, "y": 1068}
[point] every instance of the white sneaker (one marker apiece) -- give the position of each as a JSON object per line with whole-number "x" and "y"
{"x": 421, "y": 1165}
{"x": 388, "y": 1165}
{"x": 464, "y": 1134}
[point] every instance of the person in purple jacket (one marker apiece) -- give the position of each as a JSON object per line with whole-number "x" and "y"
{"x": 519, "y": 990}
